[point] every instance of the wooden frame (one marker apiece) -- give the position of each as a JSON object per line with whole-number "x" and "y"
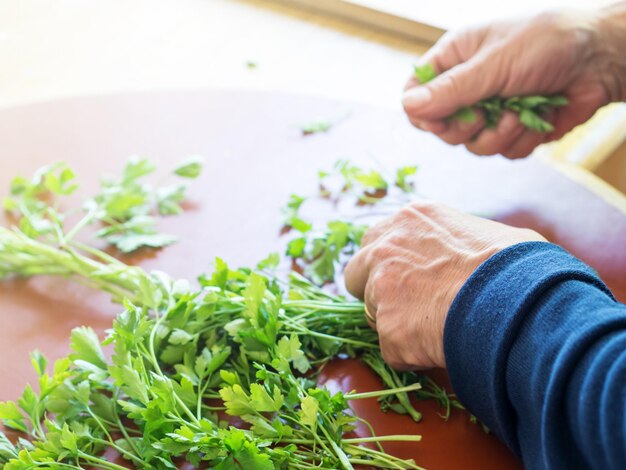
{"x": 370, "y": 17}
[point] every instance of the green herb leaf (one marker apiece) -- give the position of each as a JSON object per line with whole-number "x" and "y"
{"x": 309, "y": 411}
{"x": 86, "y": 347}
{"x": 190, "y": 168}
{"x": 315, "y": 127}
{"x": 424, "y": 73}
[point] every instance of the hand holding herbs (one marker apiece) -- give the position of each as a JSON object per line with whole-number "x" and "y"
{"x": 248, "y": 344}
{"x": 529, "y": 109}
{"x": 405, "y": 247}
{"x": 516, "y": 74}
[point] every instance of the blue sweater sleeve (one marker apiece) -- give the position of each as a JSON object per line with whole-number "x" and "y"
{"x": 535, "y": 346}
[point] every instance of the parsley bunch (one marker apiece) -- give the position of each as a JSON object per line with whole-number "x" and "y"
{"x": 241, "y": 345}
{"x": 530, "y": 109}
{"x": 185, "y": 362}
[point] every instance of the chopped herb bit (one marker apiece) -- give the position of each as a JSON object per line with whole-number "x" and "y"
{"x": 316, "y": 127}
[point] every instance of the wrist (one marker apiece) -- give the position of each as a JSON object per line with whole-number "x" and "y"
{"x": 610, "y": 42}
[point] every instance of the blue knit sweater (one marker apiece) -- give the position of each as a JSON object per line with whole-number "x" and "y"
{"x": 535, "y": 346}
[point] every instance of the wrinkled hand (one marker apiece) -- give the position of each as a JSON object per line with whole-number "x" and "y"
{"x": 410, "y": 269}
{"x": 577, "y": 54}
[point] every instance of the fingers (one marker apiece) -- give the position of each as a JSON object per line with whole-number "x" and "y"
{"x": 459, "y": 132}
{"x": 510, "y": 138}
{"x": 358, "y": 269}
{"x": 498, "y": 140}
{"x": 370, "y": 305}
{"x": 357, "y": 273}
{"x": 435, "y": 127}
{"x": 450, "y": 51}
{"x": 442, "y": 56}
{"x": 580, "y": 109}
{"x": 376, "y": 231}
{"x": 524, "y": 144}
{"x": 463, "y": 85}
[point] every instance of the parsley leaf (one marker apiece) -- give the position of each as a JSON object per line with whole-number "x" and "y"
{"x": 190, "y": 168}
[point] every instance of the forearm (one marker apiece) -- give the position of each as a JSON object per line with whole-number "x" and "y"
{"x": 533, "y": 344}
{"x": 611, "y": 49}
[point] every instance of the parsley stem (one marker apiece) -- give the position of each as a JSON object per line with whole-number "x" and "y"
{"x": 110, "y": 443}
{"x": 101, "y": 462}
{"x": 384, "y": 459}
{"x": 121, "y": 426}
{"x": 371, "y": 430}
{"x": 382, "y": 393}
{"x": 298, "y": 329}
{"x": 392, "y": 438}
{"x": 355, "y": 307}
{"x": 57, "y": 464}
{"x": 338, "y": 450}
{"x": 81, "y": 224}
{"x": 378, "y": 463}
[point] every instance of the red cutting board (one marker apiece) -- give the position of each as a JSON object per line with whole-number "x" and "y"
{"x": 256, "y": 156}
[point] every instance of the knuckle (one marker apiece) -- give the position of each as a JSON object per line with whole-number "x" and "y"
{"x": 407, "y": 212}
{"x": 368, "y": 237}
{"x": 381, "y": 252}
{"x": 549, "y": 18}
{"x": 448, "y": 39}
{"x": 377, "y": 278}
{"x": 451, "y": 83}
{"x": 382, "y": 285}
{"x": 424, "y": 207}
{"x": 397, "y": 238}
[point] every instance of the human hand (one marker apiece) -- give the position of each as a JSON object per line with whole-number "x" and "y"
{"x": 577, "y": 54}
{"x": 411, "y": 267}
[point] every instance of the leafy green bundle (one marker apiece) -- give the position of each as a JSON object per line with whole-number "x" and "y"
{"x": 530, "y": 109}
{"x": 320, "y": 252}
{"x": 247, "y": 345}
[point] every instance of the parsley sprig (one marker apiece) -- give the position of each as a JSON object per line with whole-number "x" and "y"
{"x": 530, "y": 109}
{"x": 124, "y": 207}
{"x": 320, "y": 252}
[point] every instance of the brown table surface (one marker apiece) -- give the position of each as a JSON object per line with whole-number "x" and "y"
{"x": 256, "y": 157}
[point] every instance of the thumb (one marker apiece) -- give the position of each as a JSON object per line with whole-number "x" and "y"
{"x": 463, "y": 85}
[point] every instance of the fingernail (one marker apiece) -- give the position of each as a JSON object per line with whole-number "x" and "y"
{"x": 416, "y": 97}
